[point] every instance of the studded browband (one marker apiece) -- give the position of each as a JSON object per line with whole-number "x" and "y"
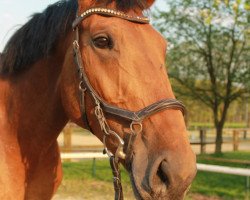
{"x": 112, "y": 13}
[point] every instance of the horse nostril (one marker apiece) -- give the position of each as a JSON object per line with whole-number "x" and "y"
{"x": 162, "y": 173}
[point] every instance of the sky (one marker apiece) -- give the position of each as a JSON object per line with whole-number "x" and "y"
{"x": 14, "y": 13}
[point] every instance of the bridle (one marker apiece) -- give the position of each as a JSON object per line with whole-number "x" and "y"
{"x": 124, "y": 150}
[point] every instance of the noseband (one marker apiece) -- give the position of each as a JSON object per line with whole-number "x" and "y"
{"x": 134, "y": 119}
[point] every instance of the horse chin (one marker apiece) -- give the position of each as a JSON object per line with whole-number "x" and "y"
{"x": 141, "y": 194}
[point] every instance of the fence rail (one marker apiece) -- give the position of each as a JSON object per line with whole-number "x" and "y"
{"x": 235, "y": 141}
{"x": 236, "y": 137}
{"x": 81, "y": 155}
{"x": 201, "y": 167}
{"x": 223, "y": 169}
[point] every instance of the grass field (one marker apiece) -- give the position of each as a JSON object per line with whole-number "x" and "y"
{"x": 228, "y": 187}
{"x": 83, "y": 183}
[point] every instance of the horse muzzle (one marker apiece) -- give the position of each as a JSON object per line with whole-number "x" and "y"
{"x": 162, "y": 176}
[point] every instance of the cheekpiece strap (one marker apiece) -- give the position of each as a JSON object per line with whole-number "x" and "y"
{"x": 112, "y": 13}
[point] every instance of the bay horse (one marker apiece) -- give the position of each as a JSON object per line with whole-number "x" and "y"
{"x": 114, "y": 82}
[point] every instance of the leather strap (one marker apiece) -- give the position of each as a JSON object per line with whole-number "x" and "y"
{"x": 130, "y": 138}
{"x": 119, "y": 112}
{"x": 86, "y": 86}
{"x": 110, "y": 13}
{"x": 117, "y": 178}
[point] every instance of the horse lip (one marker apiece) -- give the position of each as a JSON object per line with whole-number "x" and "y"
{"x": 135, "y": 189}
{"x": 145, "y": 190}
{"x": 139, "y": 195}
{"x": 148, "y": 196}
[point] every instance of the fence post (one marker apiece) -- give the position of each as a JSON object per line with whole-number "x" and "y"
{"x": 247, "y": 187}
{"x": 203, "y": 140}
{"x": 67, "y": 134}
{"x": 236, "y": 140}
{"x": 94, "y": 167}
{"x": 245, "y": 134}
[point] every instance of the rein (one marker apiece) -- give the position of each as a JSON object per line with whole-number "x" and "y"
{"x": 124, "y": 150}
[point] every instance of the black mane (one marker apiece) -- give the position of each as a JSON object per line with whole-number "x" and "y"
{"x": 39, "y": 36}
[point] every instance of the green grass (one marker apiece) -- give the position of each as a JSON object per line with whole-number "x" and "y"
{"x": 229, "y": 187}
{"x": 84, "y": 170}
{"x": 79, "y": 181}
{"x": 78, "y": 178}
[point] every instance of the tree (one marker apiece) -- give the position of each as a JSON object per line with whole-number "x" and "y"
{"x": 209, "y": 52}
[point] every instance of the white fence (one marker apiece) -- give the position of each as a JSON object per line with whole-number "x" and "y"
{"x": 201, "y": 167}
{"x": 224, "y": 169}
{"x": 79, "y": 156}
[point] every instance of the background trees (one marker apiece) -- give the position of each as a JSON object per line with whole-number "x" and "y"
{"x": 209, "y": 52}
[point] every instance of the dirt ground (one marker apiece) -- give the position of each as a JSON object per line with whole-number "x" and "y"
{"x": 190, "y": 197}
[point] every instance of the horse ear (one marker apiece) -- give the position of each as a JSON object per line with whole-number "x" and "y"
{"x": 150, "y": 3}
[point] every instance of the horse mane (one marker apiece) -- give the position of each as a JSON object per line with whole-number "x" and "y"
{"x": 38, "y": 37}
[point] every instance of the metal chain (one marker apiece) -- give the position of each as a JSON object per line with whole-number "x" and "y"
{"x": 119, "y": 154}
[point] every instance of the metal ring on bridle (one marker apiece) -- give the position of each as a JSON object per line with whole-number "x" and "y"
{"x": 81, "y": 87}
{"x": 133, "y": 126}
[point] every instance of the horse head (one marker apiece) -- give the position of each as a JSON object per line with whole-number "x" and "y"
{"x": 123, "y": 59}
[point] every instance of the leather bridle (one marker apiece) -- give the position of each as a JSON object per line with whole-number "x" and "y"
{"x": 102, "y": 107}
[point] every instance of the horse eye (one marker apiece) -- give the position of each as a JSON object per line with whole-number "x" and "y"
{"x": 102, "y": 42}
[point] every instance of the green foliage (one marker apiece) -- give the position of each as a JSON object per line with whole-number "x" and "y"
{"x": 208, "y": 59}
{"x": 208, "y": 40}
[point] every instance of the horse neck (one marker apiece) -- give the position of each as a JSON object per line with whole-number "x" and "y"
{"x": 33, "y": 102}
